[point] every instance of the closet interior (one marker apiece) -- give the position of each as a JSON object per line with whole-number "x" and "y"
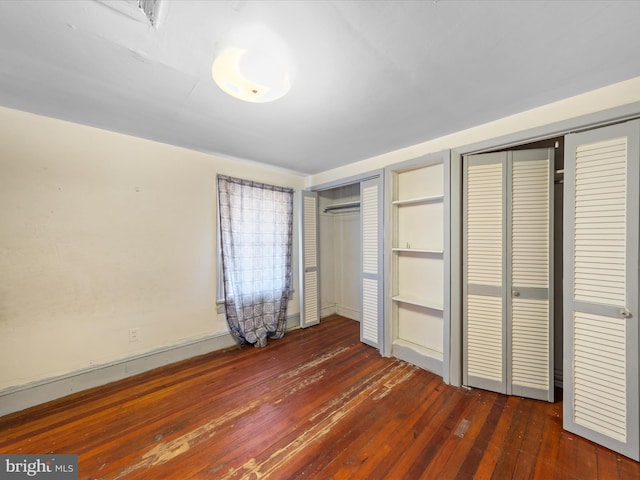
{"x": 339, "y": 251}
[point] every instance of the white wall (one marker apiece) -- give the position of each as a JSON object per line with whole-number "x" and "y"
{"x": 100, "y": 233}
{"x": 347, "y": 268}
{"x": 326, "y": 238}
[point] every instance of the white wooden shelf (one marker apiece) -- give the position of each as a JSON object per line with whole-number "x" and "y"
{"x": 418, "y": 250}
{"x": 418, "y": 302}
{"x": 418, "y": 200}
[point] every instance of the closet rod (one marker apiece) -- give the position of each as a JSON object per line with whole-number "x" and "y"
{"x": 559, "y": 176}
{"x": 340, "y": 206}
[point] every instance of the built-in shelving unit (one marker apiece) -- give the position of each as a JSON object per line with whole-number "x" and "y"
{"x": 416, "y": 259}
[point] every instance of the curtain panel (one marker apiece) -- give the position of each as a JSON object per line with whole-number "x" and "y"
{"x": 256, "y": 236}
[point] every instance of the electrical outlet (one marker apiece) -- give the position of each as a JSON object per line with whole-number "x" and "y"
{"x": 133, "y": 335}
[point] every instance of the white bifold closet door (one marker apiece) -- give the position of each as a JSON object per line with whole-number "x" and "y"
{"x": 508, "y": 301}
{"x": 601, "y": 393}
{"x": 371, "y": 261}
{"x": 309, "y": 275}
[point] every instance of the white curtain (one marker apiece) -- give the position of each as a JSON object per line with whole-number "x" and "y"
{"x": 256, "y": 224}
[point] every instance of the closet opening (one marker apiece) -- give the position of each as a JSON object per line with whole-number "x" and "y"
{"x": 339, "y": 251}
{"x": 557, "y": 143}
{"x": 594, "y": 273}
{"x": 341, "y": 245}
{"x": 512, "y": 237}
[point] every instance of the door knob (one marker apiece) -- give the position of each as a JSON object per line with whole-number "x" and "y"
{"x": 624, "y": 313}
{"x": 515, "y": 293}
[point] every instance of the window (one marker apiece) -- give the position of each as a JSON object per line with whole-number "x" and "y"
{"x": 255, "y": 239}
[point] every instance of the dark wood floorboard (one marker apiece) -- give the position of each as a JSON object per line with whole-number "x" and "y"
{"x": 317, "y": 404}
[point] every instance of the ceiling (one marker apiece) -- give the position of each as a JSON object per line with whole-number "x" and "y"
{"x": 369, "y": 76}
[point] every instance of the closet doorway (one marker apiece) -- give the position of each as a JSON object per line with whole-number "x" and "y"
{"x": 512, "y": 269}
{"x": 341, "y": 265}
{"x": 339, "y": 251}
{"x": 595, "y": 270}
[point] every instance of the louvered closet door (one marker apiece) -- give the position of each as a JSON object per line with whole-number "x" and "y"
{"x": 484, "y": 282}
{"x": 601, "y": 287}
{"x": 371, "y": 278}
{"x": 309, "y": 282}
{"x": 507, "y": 277}
{"x": 530, "y": 322}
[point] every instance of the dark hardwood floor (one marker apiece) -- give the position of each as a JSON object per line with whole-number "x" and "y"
{"x": 316, "y": 404}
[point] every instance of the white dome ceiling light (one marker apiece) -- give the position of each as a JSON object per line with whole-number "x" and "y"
{"x": 253, "y": 65}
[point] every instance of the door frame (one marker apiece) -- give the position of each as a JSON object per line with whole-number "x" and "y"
{"x": 556, "y": 129}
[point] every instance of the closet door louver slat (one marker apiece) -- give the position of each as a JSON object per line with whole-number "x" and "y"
{"x": 600, "y": 226}
{"x": 530, "y": 224}
{"x": 311, "y": 297}
{"x": 606, "y": 416}
{"x": 484, "y": 224}
{"x": 530, "y": 344}
{"x": 484, "y": 337}
{"x": 370, "y": 311}
{"x": 370, "y": 245}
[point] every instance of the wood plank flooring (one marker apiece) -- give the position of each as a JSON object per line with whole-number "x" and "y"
{"x": 317, "y": 404}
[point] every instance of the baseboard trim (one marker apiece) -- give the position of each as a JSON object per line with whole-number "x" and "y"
{"x": 348, "y": 312}
{"x": 328, "y": 310}
{"x": 334, "y": 308}
{"x": 14, "y": 399}
{"x": 418, "y": 356}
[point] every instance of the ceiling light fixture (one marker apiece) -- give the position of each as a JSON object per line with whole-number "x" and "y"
{"x": 253, "y": 66}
